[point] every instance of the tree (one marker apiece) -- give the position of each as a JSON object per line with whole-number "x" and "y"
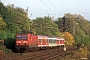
{"x": 69, "y": 23}
{"x": 2, "y": 23}
{"x": 59, "y": 22}
{"x": 18, "y": 22}
{"x": 45, "y": 26}
{"x": 77, "y": 25}
{"x": 69, "y": 39}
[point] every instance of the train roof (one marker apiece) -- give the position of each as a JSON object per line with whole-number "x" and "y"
{"x": 42, "y": 37}
{"x": 60, "y": 38}
{"x": 21, "y": 34}
{"x": 51, "y": 38}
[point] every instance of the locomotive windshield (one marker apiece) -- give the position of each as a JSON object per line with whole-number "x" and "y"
{"x": 22, "y": 37}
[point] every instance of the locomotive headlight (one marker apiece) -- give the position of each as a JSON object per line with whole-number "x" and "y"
{"x": 18, "y": 43}
{"x": 25, "y": 44}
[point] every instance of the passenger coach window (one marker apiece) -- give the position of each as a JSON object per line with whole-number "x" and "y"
{"x": 40, "y": 40}
{"x": 50, "y": 40}
{"x": 53, "y": 41}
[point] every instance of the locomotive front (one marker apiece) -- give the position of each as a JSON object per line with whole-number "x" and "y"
{"x": 21, "y": 42}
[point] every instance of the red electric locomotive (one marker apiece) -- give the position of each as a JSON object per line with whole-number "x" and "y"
{"x": 26, "y": 42}
{"x": 29, "y": 42}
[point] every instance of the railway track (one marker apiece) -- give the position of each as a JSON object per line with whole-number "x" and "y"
{"x": 37, "y": 54}
{"x": 58, "y": 56}
{"x": 44, "y": 55}
{"x": 52, "y": 54}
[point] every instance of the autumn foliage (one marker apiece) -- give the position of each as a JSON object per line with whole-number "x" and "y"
{"x": 69, "y": 38}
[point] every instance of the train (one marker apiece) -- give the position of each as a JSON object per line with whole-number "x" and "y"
{"x": 30, "y": 42}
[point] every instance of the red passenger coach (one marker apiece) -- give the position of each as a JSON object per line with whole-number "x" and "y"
{"x": 42, "y": 41}
{"x": 60, "y": 41}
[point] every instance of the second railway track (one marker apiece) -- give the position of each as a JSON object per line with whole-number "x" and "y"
{"x": 44, "y": 55}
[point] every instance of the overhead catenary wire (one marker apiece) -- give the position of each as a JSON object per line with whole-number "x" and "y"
{"x": 54, "y": 6}
{"x": 32, "y": 13}
{"x": 47, "y": 6}
{"x": 49, "y": 12}
{"x": 51, "y": 2}
{"x": 34, "y": 8}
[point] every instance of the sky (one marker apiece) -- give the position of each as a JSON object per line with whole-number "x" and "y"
{"x": 56, "y": 8}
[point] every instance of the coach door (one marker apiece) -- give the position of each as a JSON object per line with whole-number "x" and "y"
{"x": 52, "y": 42}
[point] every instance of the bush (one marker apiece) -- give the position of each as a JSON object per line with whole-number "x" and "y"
{"x": 10, "y": 43}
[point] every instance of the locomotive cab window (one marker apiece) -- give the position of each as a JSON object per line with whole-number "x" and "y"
{"x": 19, "y": 37}
{"x": 24, "y": 37}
